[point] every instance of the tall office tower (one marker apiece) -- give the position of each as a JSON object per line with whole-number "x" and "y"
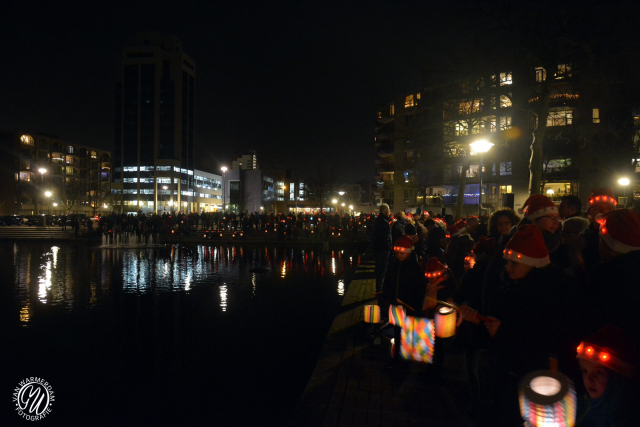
{"x": 154, "y": 143}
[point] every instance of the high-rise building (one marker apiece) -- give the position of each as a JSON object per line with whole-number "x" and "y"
{"x": 155, "y": 112}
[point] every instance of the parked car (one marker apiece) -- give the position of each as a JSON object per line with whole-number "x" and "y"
{"x": 35, "y": 220}
{"x": 80, "y": 217}
{"x": 11, "y": 220}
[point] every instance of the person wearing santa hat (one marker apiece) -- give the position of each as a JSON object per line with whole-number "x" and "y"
{"x": 403, "y": 282}
{"x": 614, "y": 285}
{"x": 601, "y": 202}
{"x": 539, "y": 210}
{"x": 608, "y": 363}
{"x": 525, "y": 323}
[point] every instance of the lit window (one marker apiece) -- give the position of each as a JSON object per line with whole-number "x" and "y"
{"x": 392, "y": 109}
{"x": 26, "y": 140}
{"x": 505, "y": 101}
{"x": 418, "y": 96}
{"x": 131, "y": 169}
{"x": 596, "y": 115}
{"x": 505, "y": 123}
{"x": 94, "y": 155}
{"x": 461, "y": 128}
{"x": 470, "y": 106}
{"x": 505, "y": 168}
{"x": 541, "y": 74}
{"x": 408, "y": 101}
{"x": 636, "y": 120}
{"x": 506, "y": 79}
{"x": 505, "y": 189}
{"x": 70, "y": 149}
{"x": 564, "y": 71}
{"x": 560, "y": 116}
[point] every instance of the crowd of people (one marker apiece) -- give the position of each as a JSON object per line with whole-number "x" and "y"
{"x": 557, "y": 286}
{"x": 291, "y": 225}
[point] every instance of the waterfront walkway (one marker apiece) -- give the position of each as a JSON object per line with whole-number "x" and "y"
{"x": 350, "y": 385}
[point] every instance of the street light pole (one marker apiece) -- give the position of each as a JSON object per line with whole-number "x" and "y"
{"x": 624, "y": 182}
{"x": 224, "y": 171}
{"x": 480, "y": 147}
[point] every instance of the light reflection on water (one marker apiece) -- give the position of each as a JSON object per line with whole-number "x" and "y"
{"x": 76, "y": 278}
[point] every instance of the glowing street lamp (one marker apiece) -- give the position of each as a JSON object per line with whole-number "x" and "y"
{"x": 480, "y": 147}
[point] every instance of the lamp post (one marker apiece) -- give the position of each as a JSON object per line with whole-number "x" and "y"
{"x": 335, "y": 202}
{"x": 164, "y": 204}
{"x": 224, "y": 171}
{"x": 42, "y": 172}
{"x": 624, "y": 182}
{"x": 48, "y": 195}
{"x": 480, "y": 147}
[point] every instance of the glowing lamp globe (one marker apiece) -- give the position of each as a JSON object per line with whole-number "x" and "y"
{"x": 481, "y": 146}
{"x": 547, "y": 398}
{"x": 445, "y": 322}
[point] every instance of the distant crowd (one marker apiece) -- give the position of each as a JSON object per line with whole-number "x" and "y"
{"x": 557, "y": 286}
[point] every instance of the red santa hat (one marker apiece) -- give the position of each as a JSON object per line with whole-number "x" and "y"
{"x": 611, "y": 348}
{"x": 457, "y": 228}
{"x": 404, "y": 244}
{"x": 621, "y": 230}
{"x": 434, "y": 268}
{"x": 484, "y": 246}
{"x": 537, "y": 205}
{"x": 602, "y": 197}
{"x": 527, "y": 247}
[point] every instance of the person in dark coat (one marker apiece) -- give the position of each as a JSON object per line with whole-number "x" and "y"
{"x": 403, "y": 282}
{"x": 614, "y": 285}
{"x": 601, "y": 202}
{"x": 608, "y": 361}
{"x": 525, "y": 327}
{"x": 381, "y": 244}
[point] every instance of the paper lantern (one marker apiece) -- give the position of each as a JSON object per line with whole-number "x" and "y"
{"x": 417, "y": 339}
{"x": 397, "y": 313}
{"x": 372, "y": 313}
{"x": 547, "y": 398}
{"x": 445, "y": 322}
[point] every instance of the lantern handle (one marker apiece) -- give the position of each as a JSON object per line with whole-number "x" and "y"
{"x": 406, "y": 305}
{"x": 456, "y": 308}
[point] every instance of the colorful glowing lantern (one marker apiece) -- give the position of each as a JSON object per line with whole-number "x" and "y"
{"x": 445, "y": 322}
{"x": 547, "y": 398}
{"x": 397, "y": 313}
{"x": 372, "y": 313}
{"x": 417, "y": 339}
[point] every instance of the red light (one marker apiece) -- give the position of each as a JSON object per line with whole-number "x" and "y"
{"x": 604, "y": 356}
{"x": 590, "y": 351}
{"x": 604, "y": 230}
{"x": 597, "y": 198}
{"x": 590, "y": 201}
{"x": 519, "y": 256}
{"x": 580, "y": 348}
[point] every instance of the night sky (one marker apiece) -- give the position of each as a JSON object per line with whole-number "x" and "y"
{"x": 300, "y": 82}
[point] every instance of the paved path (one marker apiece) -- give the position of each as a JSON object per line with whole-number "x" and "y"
{"x": 351, "y": 387}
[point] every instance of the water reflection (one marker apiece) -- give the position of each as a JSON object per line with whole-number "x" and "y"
{"x": 76, "y": 277}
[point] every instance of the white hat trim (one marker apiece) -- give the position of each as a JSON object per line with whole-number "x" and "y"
{"x": 617, "y": 245}
{"x": 518, "y": 257}
{"x": 543, "y": 212}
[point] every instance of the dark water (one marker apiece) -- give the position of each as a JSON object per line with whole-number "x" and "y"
{"x": 173, "y": 335}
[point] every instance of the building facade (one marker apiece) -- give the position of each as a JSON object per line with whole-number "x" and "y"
{"x": 155, "y": 122}
{"x": 587, "y": 123}
{"x": 42, "y": 174}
